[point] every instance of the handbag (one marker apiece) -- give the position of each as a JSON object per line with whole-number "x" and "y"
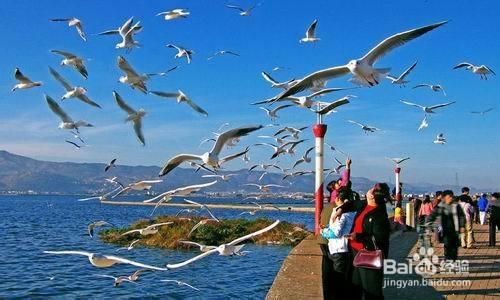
{"x": 369, "y": 259}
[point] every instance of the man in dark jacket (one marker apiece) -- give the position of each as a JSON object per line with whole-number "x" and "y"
{"x": 494, "y": 208}
{"x": 452, "y": 220}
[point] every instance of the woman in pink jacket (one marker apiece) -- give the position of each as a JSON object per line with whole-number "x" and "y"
{"x": 334, "y": 186}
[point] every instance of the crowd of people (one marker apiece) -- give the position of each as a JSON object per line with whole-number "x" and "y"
{"x": 355, "y": 231}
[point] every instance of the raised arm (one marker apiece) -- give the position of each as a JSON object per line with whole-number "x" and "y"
{"x": 346, "y": 175}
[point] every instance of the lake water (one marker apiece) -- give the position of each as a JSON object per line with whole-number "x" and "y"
{"x": 32, "y": 224}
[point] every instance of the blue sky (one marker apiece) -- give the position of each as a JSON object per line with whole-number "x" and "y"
{"x": 226, "y": 85}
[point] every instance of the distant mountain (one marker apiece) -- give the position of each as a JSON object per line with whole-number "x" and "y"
{"x": 22, "y": 174}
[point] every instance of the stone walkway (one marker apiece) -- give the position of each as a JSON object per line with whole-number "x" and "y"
{"x": 482, "y": 281}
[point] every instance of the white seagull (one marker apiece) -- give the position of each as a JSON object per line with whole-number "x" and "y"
{"x": 130, "y": 247}
{"x": 434, "y": 87}
{"x": 211, "y": 158}
{"x": 224, "y": 177}
{"x": 143, "y": 185}
{"x": 24, "y": 82}
{"x": 203, "y": 248}
{"x": 231, "y": 248}
{"x": 180, "y": 283}
{"x": 275, "y": 84}
{"x": 265, "y": 167}
{"x": 132, "y": 115}
{"x": 181, "y": 97}
{"x": 264, "y": 188}
{"x": 73, "y": 22}
{"x": 365, "y": 128}
{"x": 77, "y": 92}
{"x": 149, "y": 230}
{"x": 132, "y": 78}
{"x": 401, "y": 79}
{"x": 483, "y": 112}
{"x": 310, "y": 34}
{"x": 110, "y": 165}
{"x": 97, "y": 224}
{"x": 362, "y": 69}
{"x": 105, "y": 261}
{"x": 440, "y": 139}
{"x": 242, "y": 12}
{"x": 307, "y": 101}
{"x": 124, "y": 29}
{"x": 326, "y": 108}
{"x": 128, "y": 43}
{"x": 304, "y": 159}
{"x": 427, "y": 109}
{"x": 182, "y": 52}
{"x": 66, "y": 121}
{"x": 424, "y": 124}
{"x": 174, "y": 14}
{"x": 397, "y": 160}
{"x": 102, "y": 197}
{"x": 203, "y": 206}
{"x": 222, "y": 52}
{"x": 481, "y": 70}
{"x": 72, "y": 60}
{"x": 273, "y": 113}
{"x": 294, "y": 131}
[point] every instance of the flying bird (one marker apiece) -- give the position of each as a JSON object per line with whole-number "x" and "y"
{"x": 310, "y": 34}
{"x": 362, "y": 69}
{"x": 427, "y": 109}
{"x": 264, "y": 188}
{"x": 97, "y": 224}
{"x": 174, "y": 14}
{"x": 105, "y": 261}
{"x": 24, "y": 82}
{"x": 365, "y": 128}
{"x": 110, "y": 165}
{"x": 424, "y": 124}
{"x": 304, "y": 159}
{"x": 124, "y": 29}
{"x": 440, "y": 139}
{"x": 211, "y": 158}
{"x": 133, "y": 79}
{"x": 231, "y": 248}
{"x": 224, "y": 177}
{"x": 130, "y": 247}
{"x": 401, "y": 79}
{"x": 72, "y": 60}
{"x": 481, "y": 70}
{"x": 74, "y": 144}
{"x": 102, "y": 197}
{"x": 483, "y": 112}
{"x": 149, "y": 230}
{"x": 73, "y": 22}
{"x": 135, "y": 116}
{"x": 275, "y": 84}
{"x": 242, "y": 12}
{"x": 77, "y": 92}
{"x": 203, "y": 248}
{"x": 397, "y": 160}
{"x": 66, "y": 121}
{"x": 143, "y": 185}
{"x": 294, "y": 131}
{"x": 434, "y": 87}
{"x": 181, "y": 97}
{"x": 325, "y": 108}
{"x": 181, "y": 283}
{"x": 182, "y": 52}
{"x": 273, "y": 113}
{"x": 221, "y": 53}
{"x": 202, "y": 206}
{"x": 305, "y": 101}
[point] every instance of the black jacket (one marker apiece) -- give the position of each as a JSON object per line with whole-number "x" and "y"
{"x": 376, "y": 224}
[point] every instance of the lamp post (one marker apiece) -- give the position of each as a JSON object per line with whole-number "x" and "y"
{"x": 399, "y": 197}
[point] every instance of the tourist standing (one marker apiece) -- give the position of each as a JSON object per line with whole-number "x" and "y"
{"x": 452, "y": 220}
{"x": 494, "y": 208}
{"x": 438, "y": 229}
{"x": 475, "y": 205}
{"x": 482, "y": 204}
{"x": 371, "y": 225}
{"x": 341, "y": 182}
{"x": 467, "y": 236}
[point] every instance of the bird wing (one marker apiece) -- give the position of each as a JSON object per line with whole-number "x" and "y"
{"x": 82, "y": 70}
{"x": 87, "y": 199}
{"x": 87, "y": 100}
{"x": 122, "y": 104}
{"x": 84, "y": 253}
{"x": 268, "y": 78}
{"x": 175, "y": 47}
{"x": 79, "y": 28}
{"x": 235, "y": 7}
{"x": 191, "y": 243}
{"x": 196, "y": 107}
{"x": 273, "y": 185}
{"x": 326, "y": 91}
{"x": 126, "y": 67}
{"x": 411, "y": 104}
{"x": 354, "y": 122}
{"x": 311, "y": 79}
{"x": 109, "y": 32}
{"x": 397, "y": 40}
{"x": 441, "y": 105}
{"x": 333, "y": 105}
{"x": 463, "y": 64}
{"x": 251, "y": 235}
{"x": 298, "y": 162}
{"x": 489, "y": 69}
{"x": 61, "y": 80}
{"x": 282, "y": 107}
{"x": 57, "y": 110}
{"x": 67, "y": 55}
{"x": 165, "y": 94}
{"x": 233, "y": 156}
{"x": 159, "y": 224}
{"x": 309, "y": 151}
{"x": 231, "y": 134}
{"x": 138, "y": 131}
{"x": 19, "y": 76}
{"x": 421, "y": 85}
{"x": 134, "y": 263}
{"x": 60, "y": 20}
{"x": 177, "y": 160}
{"x": 194, "y": 202}
{"x": 312, "y": 29}
{"x": 407, "y": 71}
{"x": 187, "y": 262}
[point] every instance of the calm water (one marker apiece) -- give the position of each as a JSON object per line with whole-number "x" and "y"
{"x": 32, "y": 224}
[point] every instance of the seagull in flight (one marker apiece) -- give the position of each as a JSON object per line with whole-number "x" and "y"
{"x": 325, "y": 108}
{"x": 265, "y": 167}
{"x": 483, "y": 112}
{"x": 133, "y": 115}
{"x": 72, "y": 60}
{"x": 264, "y": 188}
{"x": 273, "y": 113}
{"x": 211, "y": 158}
{"x": 304, "y": 159}
{"x": 294, "y": 131}
{"x": 149, "y": 230}
{"x": 105, "y": 261}
{"x": 362, "y": 69}
{"x": 440, "y": 139}
{"x": 401, "y": 79}
{"x": 73, "y": 22}
{"x": 202, "y": 206}
{"x": 120, "y": 279}
{"x": 174, "y": 14}
{"x": 365, "y": 128}
{"x": 181, "y": 97}
{"x": 224, "y": 177}
{"x": 203, "y": 248}
{"x": 101, "y": 198}
{"x": 143, "y": 185}
{"x": 66, "y": 121}
{"x": 243, "y": 12}
{"x": 229, "y": 249}
{"x": 74, "y": 144}
{"x": 130, "y": 247}
{"x": 334, "y": 148}
{"x": 114, "y": 181}
{"x": 481, "y": 70}
{"x": 397, "y": 160}
{"x": 221, "y": 53}
{"x": 311, "y": 34}
{"x": 24, "y": 82}
{"x": 110, "y": 165}
{"x": 427, "y": 109}
{"x": 124, "y": 29}
{"x": 434, "y": 87}
{"x": 93, "y": 225}
{"x": 182, "y": 52}
{"x": 133, "y": 79}
{"x": 275, "y": 84}
{"x": 128, "y": 43}
{"x": 180, "y": 283}
{"x": 424, "y": 124}
{"x": 77, "y": 92}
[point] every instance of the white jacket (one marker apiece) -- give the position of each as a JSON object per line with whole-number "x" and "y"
{"x": 337, "y": 243}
